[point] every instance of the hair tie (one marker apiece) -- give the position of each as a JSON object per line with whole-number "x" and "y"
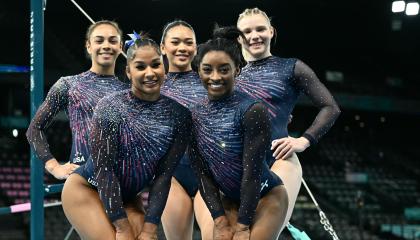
{"x": 134, "y": 37}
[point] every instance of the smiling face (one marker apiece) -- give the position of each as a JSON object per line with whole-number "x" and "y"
{"x": 104, "y": 46}
{"x": 217, "y": 72}
{"x": 258, "y": 34}
{"x": 146, "y": 72}
{"x": 180, "y": 47}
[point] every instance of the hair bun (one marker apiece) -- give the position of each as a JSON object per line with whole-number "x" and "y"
{"x": 229, "y": 33}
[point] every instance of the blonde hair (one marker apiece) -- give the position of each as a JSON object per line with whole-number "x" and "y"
{"x": 253, "y": 11}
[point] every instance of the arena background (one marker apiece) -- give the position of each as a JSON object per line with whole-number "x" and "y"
{"x": 364, "y": 172}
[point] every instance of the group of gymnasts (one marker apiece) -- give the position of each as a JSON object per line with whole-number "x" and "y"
{"x": 206, "y": 136}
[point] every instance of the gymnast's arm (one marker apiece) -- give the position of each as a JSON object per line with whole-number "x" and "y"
{"x": 160, "y": 188}
{"x": 208, "y": 188}
{"x": 104, "y": 153}
{"x": 256, "y": 125}
{"x": 56, "y": 100}
{"x": 329, "y": 111}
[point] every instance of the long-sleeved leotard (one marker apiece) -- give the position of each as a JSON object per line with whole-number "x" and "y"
{"x": 135, "y": 143}
{"x": 187, "y": 89}
{"x": 278, "y": 82}
{"x": 231, "y": 138}
{"x": 184, "y": 87}
{"x": 77, "y": 96}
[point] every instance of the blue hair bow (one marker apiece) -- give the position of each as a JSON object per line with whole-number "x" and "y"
{"x": 135, "y": 36}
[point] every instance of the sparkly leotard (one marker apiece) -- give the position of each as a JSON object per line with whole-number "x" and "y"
{"x": 278, "y": 82}
{"x": 231, "y": 138}
{"x": 187, "y": 89}
{"x": 77, "y": 96}
{"x": 134, "y": 144}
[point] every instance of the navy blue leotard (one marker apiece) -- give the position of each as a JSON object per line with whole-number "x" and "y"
{"x": 135, "y": 144}
{"x": 187, "y": 89}
{"x": 231, "y": 138}
{"x": 77, "y": 95}
{"x": 278, "y": 82}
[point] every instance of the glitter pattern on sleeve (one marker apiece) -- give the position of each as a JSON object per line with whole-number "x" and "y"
{"x": 77, "y": 95}
{"x": 135, "y": 144}
{"x": 278, "y": 82}
{"x": 56, "y": 100}
{"x": 231, "y": 138}
{"x": 312, "y": 87}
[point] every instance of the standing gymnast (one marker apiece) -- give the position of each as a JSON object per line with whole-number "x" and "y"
{"x": 278, "y": 82}
{"x": 78, "y": 96}
{"x": 231, "y": 138}
{"x": 178, "y": 45}
{"x": 137, "y": 138}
